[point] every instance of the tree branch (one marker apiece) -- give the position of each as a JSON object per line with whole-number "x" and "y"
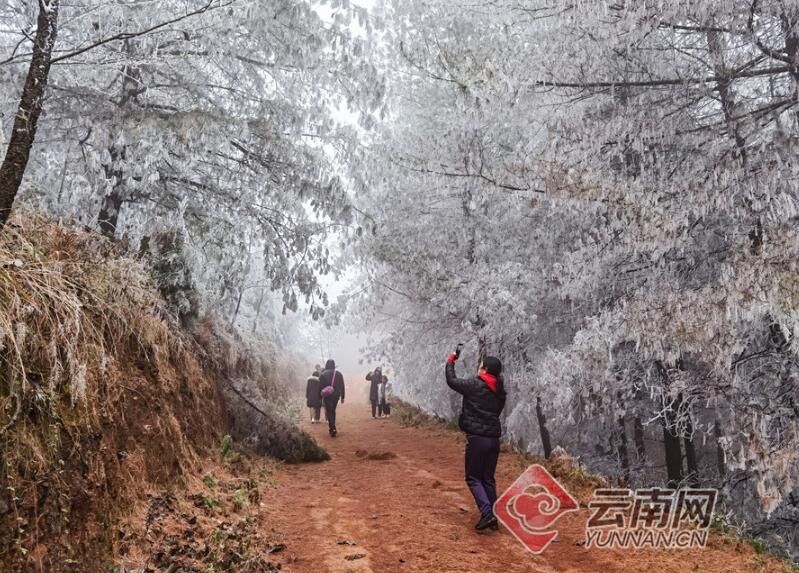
{"x": 773, "y": 54}
{"x": 666, "y": 81}
{"x": 128, "y": 35}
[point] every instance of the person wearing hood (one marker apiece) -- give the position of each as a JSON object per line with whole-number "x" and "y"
{"x": 483, "y": 402}
{"x": 375, "y": 377}
{"x": 313, "y": 398}
{"x": 331, "y": 384}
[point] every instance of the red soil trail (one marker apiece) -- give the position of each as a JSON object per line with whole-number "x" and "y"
{"x": 393, "y": 499}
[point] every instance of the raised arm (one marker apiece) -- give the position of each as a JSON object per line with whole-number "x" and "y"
{"x": 460, "y": 385}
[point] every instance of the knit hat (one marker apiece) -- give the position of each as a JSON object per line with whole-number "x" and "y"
{"x": 492, "y": 365}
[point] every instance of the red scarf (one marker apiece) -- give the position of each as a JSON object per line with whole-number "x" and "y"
{"x": 490, "y": 380}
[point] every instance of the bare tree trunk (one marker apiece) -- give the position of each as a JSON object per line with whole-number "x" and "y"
{"x": 690, "y": 461}
{"x": 31, "y": 103}
{"x": 671, "y": 443}
{"x": 108, "y": 218}
{"x": 481, "y": 348}
{"x": 624, "y": 457}
{"x": 720, "y": 457}
{"x": 258, "y": 310}
{"x": 542, "y": 427}
{"x": 671, "y": 437}
{"x": 638, "y": 436}
{"x": 466, "y": 201}
{"x": 238, "y": 307}
{"x": 726, "y": 95}
{"x": 729, "y": 106}
{"x": 690, "y": 455}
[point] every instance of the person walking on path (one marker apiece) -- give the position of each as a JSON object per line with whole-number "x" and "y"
{"x": 331, "y": 384}
{"x": 313, "y": 398}
{"x": 375, "y": 377}
{"x": 483, "y": 402}
{"x": 319, "y": 369}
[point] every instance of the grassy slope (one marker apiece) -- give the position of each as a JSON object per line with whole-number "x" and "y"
{"x": 103, "y": 398}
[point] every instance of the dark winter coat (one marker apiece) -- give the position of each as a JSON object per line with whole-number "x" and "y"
{"x": 338, "y": 385}
{"x": 312, "y": 396}
{"x": 376, "y": 378}
{"x": 481, "y": 406}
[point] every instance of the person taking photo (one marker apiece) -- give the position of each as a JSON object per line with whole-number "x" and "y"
{"x": 375, "y": 378}
{"x": 483, "y": 402}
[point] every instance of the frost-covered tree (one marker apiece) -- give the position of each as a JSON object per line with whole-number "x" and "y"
{"x": 212, "y": 117}
{"x": 31, "y": 102}
{"x": 604, "y": 195}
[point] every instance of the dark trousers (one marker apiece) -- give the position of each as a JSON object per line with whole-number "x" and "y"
{"x": 317, "y": 411}
{"x": 374, "y": 408}
{"x": 482, "y": 454}
{"x": 330, "y": 413}
{"x": 382, "y": 409}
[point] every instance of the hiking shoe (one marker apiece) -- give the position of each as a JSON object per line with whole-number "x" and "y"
{"x": 486, "y": 522}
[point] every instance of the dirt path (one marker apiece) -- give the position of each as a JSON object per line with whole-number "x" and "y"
{"x": 411, "y": 512}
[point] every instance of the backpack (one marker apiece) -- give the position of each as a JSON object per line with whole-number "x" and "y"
{"x": 328, "y": 390}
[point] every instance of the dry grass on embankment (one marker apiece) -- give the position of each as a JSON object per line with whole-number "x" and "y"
{"x": 103, "y": 399}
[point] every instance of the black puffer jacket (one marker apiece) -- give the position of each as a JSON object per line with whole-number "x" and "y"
{"x": 481, "y": 405}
